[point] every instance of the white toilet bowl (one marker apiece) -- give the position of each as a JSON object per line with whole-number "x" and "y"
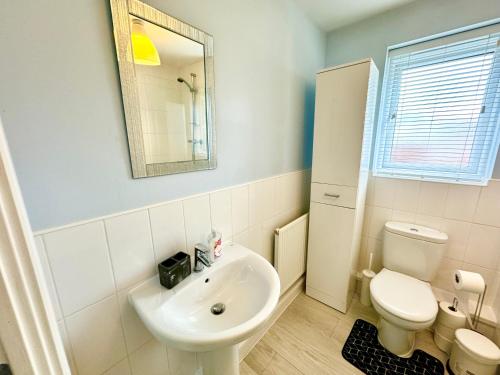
{"x": 405, "y": 305}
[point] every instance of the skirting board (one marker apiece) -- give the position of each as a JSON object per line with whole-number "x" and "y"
{"x": 285, "y": 300}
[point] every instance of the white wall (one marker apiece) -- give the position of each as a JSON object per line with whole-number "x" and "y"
{"x": 90, "y": 267}
{"x": 61, "y": 103}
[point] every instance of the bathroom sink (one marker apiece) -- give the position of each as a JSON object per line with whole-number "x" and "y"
{"x": 213, "y": 310}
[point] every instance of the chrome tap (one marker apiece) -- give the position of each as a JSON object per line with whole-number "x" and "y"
{"x": 201, "y": 257}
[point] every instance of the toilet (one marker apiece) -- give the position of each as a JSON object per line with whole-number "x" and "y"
{"x": 401, "y": 292}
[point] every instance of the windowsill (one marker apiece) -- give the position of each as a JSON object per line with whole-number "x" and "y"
{"x": 429, "y": 179}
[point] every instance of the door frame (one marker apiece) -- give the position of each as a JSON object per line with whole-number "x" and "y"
{"x": 28, "y": 326}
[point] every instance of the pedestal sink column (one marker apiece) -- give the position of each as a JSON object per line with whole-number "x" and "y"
{"x": 225, "y": 361}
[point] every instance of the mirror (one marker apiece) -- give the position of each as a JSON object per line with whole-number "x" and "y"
{"x": 166, "y": 73}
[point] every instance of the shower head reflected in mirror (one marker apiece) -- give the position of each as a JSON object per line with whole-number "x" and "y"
{"x": 182, "y": 80}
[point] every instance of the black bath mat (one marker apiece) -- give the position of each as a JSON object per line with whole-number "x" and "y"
{"x": 363, "y": 350}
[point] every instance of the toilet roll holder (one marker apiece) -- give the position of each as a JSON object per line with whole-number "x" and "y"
{"x": 480, "y": 299}
{"x": 479, "y": 308}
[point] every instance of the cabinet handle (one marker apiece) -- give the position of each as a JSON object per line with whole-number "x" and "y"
{"x": 332, "y": 195}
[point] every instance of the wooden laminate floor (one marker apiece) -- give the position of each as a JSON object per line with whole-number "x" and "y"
{"x": 308, "y": 338}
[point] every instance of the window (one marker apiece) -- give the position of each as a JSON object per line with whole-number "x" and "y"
{"x": 440, "y": 110}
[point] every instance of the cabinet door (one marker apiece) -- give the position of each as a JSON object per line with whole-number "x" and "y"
{"x": 338, "y": 124}
{"x": 328, "y": 261}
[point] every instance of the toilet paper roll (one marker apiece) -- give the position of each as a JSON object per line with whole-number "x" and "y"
{"x": 468, "y": 281}
{"x": 449, "y": 318}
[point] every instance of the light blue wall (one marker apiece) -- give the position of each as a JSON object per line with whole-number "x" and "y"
{"x": 60, "y": 102}
{"x": 421, "y": 18}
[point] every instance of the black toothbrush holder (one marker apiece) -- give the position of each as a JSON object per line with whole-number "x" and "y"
{"x": 174, "y": 269}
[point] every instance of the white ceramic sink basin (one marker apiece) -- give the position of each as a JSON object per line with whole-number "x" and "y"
{"x": 240, "y": 279}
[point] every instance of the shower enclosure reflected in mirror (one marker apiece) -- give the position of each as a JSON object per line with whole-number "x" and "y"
{"x": 166, "y": 71}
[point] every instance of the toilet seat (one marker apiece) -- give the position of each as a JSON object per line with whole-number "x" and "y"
{"x": 405, "y": 298}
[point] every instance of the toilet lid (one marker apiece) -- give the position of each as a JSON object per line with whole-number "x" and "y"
{"x": 404, "y": 296}
{"x": 478, "y": 346}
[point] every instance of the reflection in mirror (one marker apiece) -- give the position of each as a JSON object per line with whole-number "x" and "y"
{"x": 170, "y": 72}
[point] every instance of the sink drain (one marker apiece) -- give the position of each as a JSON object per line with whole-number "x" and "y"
{"x": 218, "y": 308}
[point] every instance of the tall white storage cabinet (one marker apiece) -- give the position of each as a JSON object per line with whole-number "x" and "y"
{"x": 343, "y": 128}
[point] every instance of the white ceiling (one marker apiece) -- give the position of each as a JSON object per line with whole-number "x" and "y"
{"x": 332, "y": 14}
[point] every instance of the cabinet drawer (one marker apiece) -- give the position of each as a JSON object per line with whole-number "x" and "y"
{"x": 335, "y": 195}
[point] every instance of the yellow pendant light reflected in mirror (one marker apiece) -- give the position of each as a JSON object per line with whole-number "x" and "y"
{"x": 145, "y": 52}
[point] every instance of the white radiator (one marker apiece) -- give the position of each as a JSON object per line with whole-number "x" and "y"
{"x": 290, "y": 248}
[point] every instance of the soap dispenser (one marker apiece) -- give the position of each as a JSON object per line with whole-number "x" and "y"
{"x": 215, "y": 243}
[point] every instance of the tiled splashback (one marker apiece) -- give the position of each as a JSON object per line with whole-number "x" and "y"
{"x": 470, "y": 215}
{"x": 91, "y": 266}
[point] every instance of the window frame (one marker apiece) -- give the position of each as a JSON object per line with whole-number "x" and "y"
{"x": 475, "y": 174}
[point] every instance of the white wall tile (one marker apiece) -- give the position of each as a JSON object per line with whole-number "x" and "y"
{"x": 403, "y": 216}
{"x": 288, "y": 216}
{"x": 406, "y": 195}
{"x": 484, "y": 246}
{"x": 458, "y": 237}
{"x": 254, "y": 239}
{"x": 306, "y": 190}
{"x": 366, "y": 220}
{"x": 434, "y": 222}
{"x": 262, "y": 200}
{"x": 241, "y": 238}
{"x": 267, "y": 237}
{"x": 67, "y": 347}
{"x": 167, "y": 226}
{"x": 488, "y": 207}
{"x": 150, "y": 359}
{"x": 220, "y": 211}
{"x": 239, "y": 209}
{"x": 444, "y": 276}
{"x": 379, "y": 217}
{"x": 493, "y": 290}
{"x": 135, "y": 332}
{"x": 197, "y": 220}
{"x": 290, "y": 191}
{"x": 96, "y": 337}
{"x": 131, "y": 248}
{"x": 383, "y": 192}
{"x": 461, "y": 202}
{"x": 496, "y": 303}
{"x": 47, "y": 273}
{"x": 432, "y": 199}
{"x": 122, "y": 368}
{"x": 80, "y": 263}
